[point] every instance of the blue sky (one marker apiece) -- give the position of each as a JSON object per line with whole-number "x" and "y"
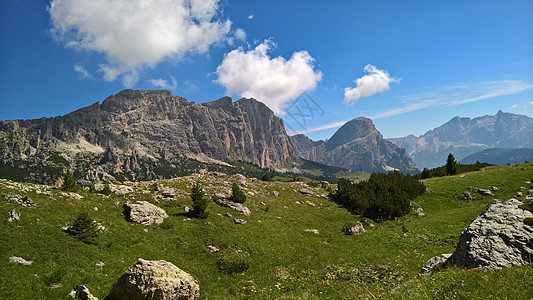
{"x": 409, "y": 65}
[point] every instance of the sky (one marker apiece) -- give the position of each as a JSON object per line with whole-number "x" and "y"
{"x": 410, "y": 66}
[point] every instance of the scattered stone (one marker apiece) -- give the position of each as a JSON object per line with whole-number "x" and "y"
{"x": 208, "y": 223}
{"x": 523, "y": 169}
{"x": 55, "y": 286}
{"x": 354, "y": 230}
{"x": 19, "y": 261}
{"x": 495, "y": 189}
{"x": 462, "y": 176}
{"x": 310, "y": 203}
{"x": 275, "y": 193}
{"x": 144, "y": 213}
{"x": 17, "y": 199}
{"x": 527, "y": 182}
{"x": 238, "y": 207}
{"x": 145, "y": 230}
{"x": 315, "y": 231}
{"x": 262, "y": 203}
{"x": 305, "y": 191}
{"x": 497, "y": 238}
{"x": 72, "y": 195}
{"x": 152, "y": 280}
{"x": 481, "y": 191}
{"x": 220, "y": 195}
{"x": 518, "y": 195}
{"x": 297, "y": 202}
{"x": 240, "y": 221}
{"x": 228, "y": 215}
{"x": 13, "y": 216}
{"x": 187, "y": 219}
{"x": 186, "y": 209}
{"x": 66, "y": 228}
{"x": 467, "y": 196}
{"x": 420, "y": 212}
{"x": 84, "y": 293}
{"x": 371, "y": 225}
{"x": 100, "y": 264}
{"x": 212, "y": 249}
{"x": 72, "y": 294}
{"x": 427, "y": 270}
{"x": 116, "y": 203}
{"x": 95, "y": 208}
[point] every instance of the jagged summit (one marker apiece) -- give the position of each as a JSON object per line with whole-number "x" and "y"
{"x": 357, "y": 145}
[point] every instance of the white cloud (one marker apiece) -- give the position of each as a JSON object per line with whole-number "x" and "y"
{"x": 190, "y": 85}
{"x": 513, "y": 106}
{"x": 165, "y": 84}
{"x": 135, "y": 34}
{"x": 376, "y": 81}
{"x": 250, "y": 17}
{"x": 273, "y": 81}
{"x": 240, "y": 34}
{"x": 81, "y": 70}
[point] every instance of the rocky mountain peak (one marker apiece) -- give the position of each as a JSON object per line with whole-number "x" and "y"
{"x": 357, "y": 128}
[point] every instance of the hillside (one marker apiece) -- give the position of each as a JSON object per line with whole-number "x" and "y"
{"x": 284, "y": 259}
{"x": 358, "y": 146}
{"x": 465, "y": 136}
{"x": 500, "y": 156}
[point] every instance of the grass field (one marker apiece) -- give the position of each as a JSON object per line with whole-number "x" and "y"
{"x": 285, "y": 261}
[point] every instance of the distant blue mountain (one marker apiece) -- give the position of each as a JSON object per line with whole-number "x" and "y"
{"x": 500, "y": 156}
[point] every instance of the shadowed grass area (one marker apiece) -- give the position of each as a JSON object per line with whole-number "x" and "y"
{"x": 282, "y": 259}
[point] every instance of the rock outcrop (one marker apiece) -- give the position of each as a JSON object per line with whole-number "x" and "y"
{"x": 144, "y": 213}
{"x": 357, "y": 146}
{"x": 465, "y": 136}
{"x": 238, "y": 207}
{"x": 151, "y": 280}
{"x": 143, "y": 134}
{"x": 497, "y": 238}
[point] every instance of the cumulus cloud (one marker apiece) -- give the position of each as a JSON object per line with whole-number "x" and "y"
{"x": 135, "y": 34}
{"x": 250, "y": 17}
{"x": 81, "y": 70}
{"x": 376, "y": 81}
{"x": 240, "y": 34}
{"x": 165, "y": 84}
{"x": 271, "y": 80}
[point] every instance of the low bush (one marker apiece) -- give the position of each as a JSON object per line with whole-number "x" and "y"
{"x": 231, "y": 261}
{"x": 382, "y": 197}
{"x": 55, "y": 277}
{"x": 85, "y": 229}
{"x": 237, "y": 194}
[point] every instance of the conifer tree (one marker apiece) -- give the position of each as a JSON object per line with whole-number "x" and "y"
{"x": 69, "y": 184}
{"x": 85, "y": 229}
{"x": 199, "y": 203}
{"x": 236, "y": 194}
{"x": 451, "y": 165}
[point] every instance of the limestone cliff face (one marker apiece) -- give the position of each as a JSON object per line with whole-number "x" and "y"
{"x": 357, "y": 146}
{"x": 139, "y": 125}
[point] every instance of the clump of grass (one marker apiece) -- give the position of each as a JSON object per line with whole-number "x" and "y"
{"x": 55, "y": 277}
{"x": 167, "y": 224}
{"x": 232, "y": 261}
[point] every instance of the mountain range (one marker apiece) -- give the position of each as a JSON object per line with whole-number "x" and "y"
{"x": 357, "y": 145}
{"x": 464, "y": 136}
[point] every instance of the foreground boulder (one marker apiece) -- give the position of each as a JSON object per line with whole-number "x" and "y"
{"x": 150, "y": 279}
{"x": 144, "y": 213}
{"x": 497, "y": 238}
{"x": 432, "y": 263}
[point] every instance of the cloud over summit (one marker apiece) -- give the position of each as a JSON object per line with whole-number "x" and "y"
{"x": 271, "y": 80}
{"x": 135, "y": 34}
{"x": 376, "y": 81}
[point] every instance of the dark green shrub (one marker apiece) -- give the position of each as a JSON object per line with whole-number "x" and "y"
{"x": 528, "y": 221}
{"x": 106, "y": 190}
{"x": 382, "y": 197}
{"x": 236, "y": 194}
{"x": 266, "y": 177}
{"x": 199, "y": 203}
{"x": 167, "y": 224}
{"x": 92, "y": 187}
{"x": 69, "y": 184}
{"x": 231, "y": 261}
{"x": 85, "y": 229}
{"x": 55, "y": 277}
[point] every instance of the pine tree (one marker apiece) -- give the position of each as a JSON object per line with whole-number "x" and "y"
{"x": 107, "y": 189}
{"x": 425, "y": 174}
{"x": 92, "y": 187}
{"x": 199, "y": 203}
{"x": 69, "y": 184}
{"x": 236, "y": 194}
{"x": 85, "y": 229}
{"x": 451, "y": 165}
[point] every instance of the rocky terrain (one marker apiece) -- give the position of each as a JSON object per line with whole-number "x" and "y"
{"x": 500, "y": 156}
{"x": 357, "y": 146}
{"x": 144, "y": 134}
{"x": 465, "y": 136}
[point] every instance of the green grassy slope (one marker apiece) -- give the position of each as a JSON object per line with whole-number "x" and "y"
{"x": 285, "y": 261}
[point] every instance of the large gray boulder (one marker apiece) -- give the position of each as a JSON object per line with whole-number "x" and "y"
{"x": 497, "y": 238}
{"x": 151, "y": 279}
{"x": 238, "y": 207}
{"x": 144, "y": 213}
